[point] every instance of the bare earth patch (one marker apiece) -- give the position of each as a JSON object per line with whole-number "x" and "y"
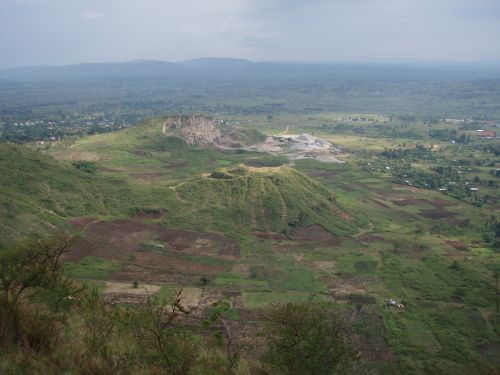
{"x": 111, "y": 240}
{"x": 152, "y": 215}
{"x": 200, "y": 243}
{"x": 117, "y": 292}
{"x": 459, "y": 245}
{"x": 85, "y": 155}
{"x": 368, "y": 237}
{"x": 411, "y": 202}
{"x": 118, "y": 239}
{"x": 314, "y": 233}
{"x": 379, "y": 203}
{"x": 241, "y": 269}
{"x": 190, "y": 297}
{"x": 440, "y": 203}
{"x": 139, "y": 152}
{"x": 151, "y": 253}
{"x": 349, "y": 285}
{"x": 269, "y": 236}
{"x": 459, "y": 223}
{"x": 436, "y": 214}
{"x": 128, "y": 288}
{"x": 298, "y": 257}
{"x": 324, "y": 265}
{"x": 82, "y": 222}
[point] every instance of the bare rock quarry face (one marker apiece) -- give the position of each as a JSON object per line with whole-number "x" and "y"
{"x": 194, "y": 129}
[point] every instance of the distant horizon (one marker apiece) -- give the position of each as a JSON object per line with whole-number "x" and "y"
{"x": 367, "y": 61}
{"x": 59, "y": 32}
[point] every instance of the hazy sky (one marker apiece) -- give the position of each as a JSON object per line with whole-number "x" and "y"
{"x": 72, "y": 31}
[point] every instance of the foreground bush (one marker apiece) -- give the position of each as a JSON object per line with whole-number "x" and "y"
{"x": 308, "y": 339}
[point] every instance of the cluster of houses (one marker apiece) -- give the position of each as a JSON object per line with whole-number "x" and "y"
{"x": 488, "y": 134}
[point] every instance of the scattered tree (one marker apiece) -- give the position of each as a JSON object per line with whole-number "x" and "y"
{"x": 220, "y": 317}
{"x": 29, "y": 266}
{"x": 307, "y": 339}
{"x": 164, "y": 344}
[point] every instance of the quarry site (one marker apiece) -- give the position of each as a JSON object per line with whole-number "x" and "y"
{"x": 296, "y": 147}
{"x": 201, "y": 130}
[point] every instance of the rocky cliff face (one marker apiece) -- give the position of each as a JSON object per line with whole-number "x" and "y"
{"x": 194, "y": 129}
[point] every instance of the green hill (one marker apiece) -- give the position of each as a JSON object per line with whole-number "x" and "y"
{"x": 266, "y": 199}
{"x": 38, "y": 192}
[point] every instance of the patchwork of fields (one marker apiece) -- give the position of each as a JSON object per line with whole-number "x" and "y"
{"x": 264, "y": 230}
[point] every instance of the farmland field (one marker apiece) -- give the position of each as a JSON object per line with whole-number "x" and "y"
{"x": 371, "y": 234}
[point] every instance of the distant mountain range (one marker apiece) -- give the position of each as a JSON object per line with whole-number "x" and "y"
{"x": 227, "y": 67}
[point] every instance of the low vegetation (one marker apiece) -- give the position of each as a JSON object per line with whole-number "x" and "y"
{"x": 51, "y": 324}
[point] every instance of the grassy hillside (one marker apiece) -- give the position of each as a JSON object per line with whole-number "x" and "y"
{"x": 267, "y": 199}
{"x": 40, "y": 193}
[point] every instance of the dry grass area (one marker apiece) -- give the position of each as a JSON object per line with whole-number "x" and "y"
{"x": 324, "y": 265}
{"x": 191, "y": 297}
{"x": 119, "y": 292}
{"x": 114, "y": 287}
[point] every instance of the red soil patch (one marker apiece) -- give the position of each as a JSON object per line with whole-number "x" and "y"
{"x": 169, "y": 275}
{"x": 440, "y": 203}
{"x": 459, "y": 245}
{"x": 230, "y": 249}
{"x": 313, "y": 233}
{"x": 406, "y": 216}
{"x": 111, "y": 240}
{"x": 343, "y": 215}
{"x": 386, "y": 192}
{"x": 413, "y": 251}
{"x": 379, "y": 204}
{"x": 269, "y": 236}
{"x": 173, "y": 265}
{"x": 458, "y": 222}
{"x": 375, "y": 348}
{"x": 367, "y": 237}
{"x": 320, "y": 173}
{"x": 200, "y": 243}
{"x": 411, "y": 202}
{"x": 151, "y": 215}
{"x": 119, "y": 239}
{"x": 81, "y": 222}
{"x": 436, "y": 214}
{"x": 139, "y": 152}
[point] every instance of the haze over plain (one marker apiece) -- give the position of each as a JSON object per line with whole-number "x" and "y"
{"x": 34, "y": 32}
